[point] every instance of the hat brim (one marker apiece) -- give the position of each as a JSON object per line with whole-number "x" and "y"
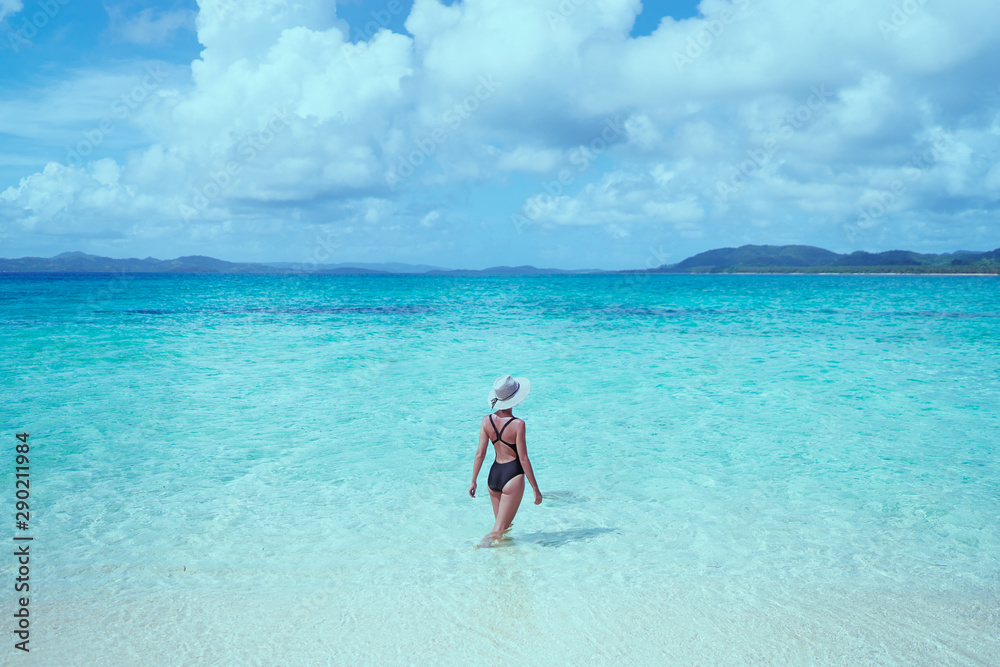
{"x": 524, "y": 386}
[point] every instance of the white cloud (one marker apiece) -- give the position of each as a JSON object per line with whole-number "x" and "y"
{"x": 149, "y": 26}
{"x": 77, "y": 202}
{"x": 618, "y": 199}
{"x": 58, "y": 113}
{"x": 283, "y": 119}
{"x": 8, "y": 7}
{"x": 992, "y": 181}
{"x": 430, "y": 219}
{"x": 643, "y": 132}
{"x": 526, "y": 159}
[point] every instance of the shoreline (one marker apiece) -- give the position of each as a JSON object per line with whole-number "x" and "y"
{"x": 623, "y": 272}
{"x": 806, "y": 273}
{"x": 742, "y": 620}
{"x": 832, "y": 273}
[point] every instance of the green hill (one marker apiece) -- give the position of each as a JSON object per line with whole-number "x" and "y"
{"x": 810, "y": 259}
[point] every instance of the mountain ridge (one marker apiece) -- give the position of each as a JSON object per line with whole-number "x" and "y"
{"x": 811, "y": 259}
{"x": 742, "y": 259}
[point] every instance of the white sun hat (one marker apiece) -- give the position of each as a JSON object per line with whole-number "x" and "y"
{"x": 508, "y": 392}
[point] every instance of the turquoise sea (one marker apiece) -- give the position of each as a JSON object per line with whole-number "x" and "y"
{"x": 273, "y": 470}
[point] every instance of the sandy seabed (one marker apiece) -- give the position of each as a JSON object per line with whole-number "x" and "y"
{"x": 720, "y": 622}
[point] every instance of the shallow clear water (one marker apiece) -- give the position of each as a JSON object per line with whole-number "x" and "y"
{"x": 736, "y": 469}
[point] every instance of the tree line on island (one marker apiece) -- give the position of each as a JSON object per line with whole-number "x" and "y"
{"x": 745, "y": 259}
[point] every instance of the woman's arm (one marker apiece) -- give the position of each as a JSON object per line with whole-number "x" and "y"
{"x": 477, "y": 463}
{"x": 522, "y": 454}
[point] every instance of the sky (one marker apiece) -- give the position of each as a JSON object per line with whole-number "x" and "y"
{"x": 608, "y": 134}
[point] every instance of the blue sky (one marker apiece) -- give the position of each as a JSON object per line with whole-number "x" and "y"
{"x": 567, "y": 133}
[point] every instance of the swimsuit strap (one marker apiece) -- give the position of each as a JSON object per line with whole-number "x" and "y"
{"x": 500, "y": 432}
{"x": 509, "y": 422}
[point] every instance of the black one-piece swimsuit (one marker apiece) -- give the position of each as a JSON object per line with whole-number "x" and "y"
{"x": 501, "y": 473}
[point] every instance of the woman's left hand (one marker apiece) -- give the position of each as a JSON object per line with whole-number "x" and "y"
{"x": 472, "y": 490}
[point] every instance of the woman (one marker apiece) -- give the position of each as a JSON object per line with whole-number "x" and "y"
{"x": 506, "y": 480}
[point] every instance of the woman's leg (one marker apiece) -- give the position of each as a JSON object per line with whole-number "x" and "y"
{"x": 495, "y": 499}
{"x": 510, "y": 500}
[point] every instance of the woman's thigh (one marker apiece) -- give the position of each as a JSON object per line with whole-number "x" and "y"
{"x": 514, "y": 486}
{"x": 510, "y": 499}
{"x": 495, "y": 499}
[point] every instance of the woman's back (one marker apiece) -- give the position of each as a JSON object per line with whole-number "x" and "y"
{"x": 504, "y": 444}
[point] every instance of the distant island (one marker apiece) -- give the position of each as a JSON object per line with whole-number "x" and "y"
{"x": 745, "y": 259}
{"x": 80, "y": 262}
{"x": 810, "y": 259}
